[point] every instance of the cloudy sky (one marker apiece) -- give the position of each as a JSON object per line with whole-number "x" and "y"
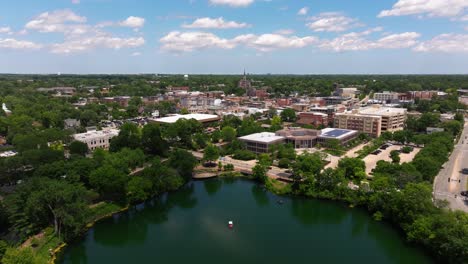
{"x": 226, "y": 36}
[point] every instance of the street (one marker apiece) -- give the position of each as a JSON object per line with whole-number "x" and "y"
{"x": 450, "y": 181}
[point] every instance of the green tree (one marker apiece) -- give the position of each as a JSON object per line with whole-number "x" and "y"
{"x": 288, "y": 115}
{"x": 259, "y": 173}
{"x": 78, "y": 148}
{"x": 109, "y": 182}
{"x": 138, "y": 189}
{"x": 353, "y": 168}
{"x": 20, "y": 256}
{"x": 43, "y": 201}
{"x": 183, "y": 161}
{"x": 211, "y": 153}
{"x": 184, "y": 111}
{"x": 152, "y": 141}
{"x": 395, "y": 156}
{"x": 229, "y": 133}
{"x": 276, "y": 123}
{"x": 129, "y": 137}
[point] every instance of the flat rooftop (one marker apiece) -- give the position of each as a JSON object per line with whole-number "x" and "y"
{"x": 264, "y": 137}
{"x": 199, "y": 117}
{"x": 372, "y": 110}
{"x": 96, "y": 134}
{"x": 336, "y": 133}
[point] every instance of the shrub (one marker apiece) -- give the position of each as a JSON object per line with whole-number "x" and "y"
{"x": 406, "y": 149}
{"x": 244, "y": 155}
{"x": 284, "y": 163}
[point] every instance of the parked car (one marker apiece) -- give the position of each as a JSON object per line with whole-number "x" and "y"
{"x": 464, "y": 193}
{"x": 465, "y": 171}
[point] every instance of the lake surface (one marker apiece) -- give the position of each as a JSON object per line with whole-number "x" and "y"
{"x": 190, "y": 226}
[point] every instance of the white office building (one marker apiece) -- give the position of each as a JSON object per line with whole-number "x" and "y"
{"x": 97, "y": 138}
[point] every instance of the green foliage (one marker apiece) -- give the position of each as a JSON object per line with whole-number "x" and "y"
{"x": 229, "y": 133}
{"x": 259, "y": 173}
{"x": 276, "y": 123}
{"x": 42, "y": 201}
{"x": 129, "y": 137}
{"x": 243, "y": 155}
{"x": 249, "y": 126}
{"x": 181, "y": 132}
{"x": 288, "y": 115}
{"x": 353, "y": 168}
{"x": 228, "y": 167}
{"x": 284, "y": 163}
{"x": 20, "y": 256}
{"x": 395, "y": 156}
{"x": 139, "y": 189}
{"x": 429, "y": 160}
{"x": 152, "y": 141}
{"x": 78, "y": 148}
{"x": 109, "y": 182}
{"x": 406, "y": 149}
{"x": 211, "y": 153}
{"x": 183, "y": 161}
{"x": 265, "y": 160}
{"x": 307, "y": 166}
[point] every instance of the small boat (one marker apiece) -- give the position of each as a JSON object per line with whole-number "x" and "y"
{"x": 230, "y": 224}
{"x": 280, "y": 202}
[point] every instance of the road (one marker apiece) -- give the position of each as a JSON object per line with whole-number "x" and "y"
{"x": 450, "y": 181}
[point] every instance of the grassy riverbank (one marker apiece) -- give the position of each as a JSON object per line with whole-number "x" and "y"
{"x": 47, "y": 247}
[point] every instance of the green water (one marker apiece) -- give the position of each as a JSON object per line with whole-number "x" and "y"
{"x": 190, "y": 226}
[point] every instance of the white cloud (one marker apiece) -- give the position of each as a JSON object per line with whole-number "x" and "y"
{"x": 464, "y": 18}
{"x": 332, "y": 22}
{"x": 65, "y": 21}
{"x": 217, "y": 23}
{"x": 445, "y": 43}
{"x": 80, "y": 36}
{"x": 75, "y": 2}
{"x": 398, "y": 41}
{"x": 5, "y": 30}
{"x": 189, "y": 41}
{"x": 93, "y": 42}
{"x": 135, "y": 54}
{"x": 431, "y": 8}
{"x": 10, "y": 43}
{"x": 232, "y": 3}
{"x": 357, "y": 41}
{"x": 284, "y": 31}
{"x": 303, "y": 11}
{"x": 133, "y": 22}
{"x": 269, "y": 42}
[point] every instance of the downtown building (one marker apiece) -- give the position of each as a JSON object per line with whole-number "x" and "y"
{"x": 372, "y": 120}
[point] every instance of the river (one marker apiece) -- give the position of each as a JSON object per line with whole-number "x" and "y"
{"x": 190, "y": 226}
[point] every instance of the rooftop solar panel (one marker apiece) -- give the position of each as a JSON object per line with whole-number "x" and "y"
{"x": 336, "y": 133}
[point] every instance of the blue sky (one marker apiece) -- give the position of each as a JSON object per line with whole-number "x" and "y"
{"x": 226, "y": 36}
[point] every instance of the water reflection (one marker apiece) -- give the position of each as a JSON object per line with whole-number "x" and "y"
{"x": 260, "y": 195}
{"x": 212, "y": 186}
{"x": 309, "y": 212}
{"x": 79, "y": 255}
{"x": 133, "y": 225}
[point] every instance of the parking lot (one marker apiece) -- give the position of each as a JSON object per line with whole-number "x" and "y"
{"x": 371, "y": 159}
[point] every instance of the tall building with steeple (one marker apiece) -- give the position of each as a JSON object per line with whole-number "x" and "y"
{"x": 244, "y": 83}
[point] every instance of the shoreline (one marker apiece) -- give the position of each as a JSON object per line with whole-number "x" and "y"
{"x": 61, "y": 247}
{"x": 55, "y": 256}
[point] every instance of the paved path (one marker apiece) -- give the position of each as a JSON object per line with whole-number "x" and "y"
{"x": 450, "y": 181}
{"x": 246, "y": 167}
